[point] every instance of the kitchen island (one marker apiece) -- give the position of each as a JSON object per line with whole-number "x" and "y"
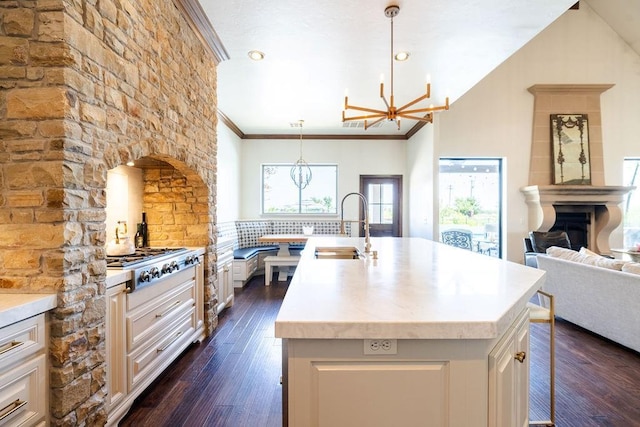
{"x": 426, "y": 334}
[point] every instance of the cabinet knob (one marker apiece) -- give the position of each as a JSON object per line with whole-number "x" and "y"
{"x": 520, "y": 356}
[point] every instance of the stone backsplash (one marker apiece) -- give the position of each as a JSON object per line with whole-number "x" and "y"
{"x": 85, "y": 86}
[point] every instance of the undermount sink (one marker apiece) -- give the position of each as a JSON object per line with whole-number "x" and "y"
{"x": 338, "y": 252}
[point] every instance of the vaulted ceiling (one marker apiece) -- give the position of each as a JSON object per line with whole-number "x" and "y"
{"x": 315, "y": 50}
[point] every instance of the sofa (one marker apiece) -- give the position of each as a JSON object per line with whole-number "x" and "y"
{"x": 249, "y": 254}
{"x": 599, "y": 294}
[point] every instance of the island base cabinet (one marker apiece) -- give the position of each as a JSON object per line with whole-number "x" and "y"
{"x": 332, "y": 383}
{"x": 509, "y": 378}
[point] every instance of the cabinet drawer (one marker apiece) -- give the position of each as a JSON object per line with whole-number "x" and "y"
{"x": 21, "y": 393}
{"x": 147, "y": 321}
{"x": 224, "y": 255}
{"x": 150, "y": 292}
{"x": 162, "y": 349}
{"x": 20, "y": 340}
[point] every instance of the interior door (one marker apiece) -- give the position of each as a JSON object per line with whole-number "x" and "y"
{"x": 384, "y": 199}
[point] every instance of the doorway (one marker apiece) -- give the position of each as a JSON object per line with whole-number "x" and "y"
{"x": 384, "y": 198}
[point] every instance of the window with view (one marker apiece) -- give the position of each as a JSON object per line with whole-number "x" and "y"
{"x": 281, "y": 196}
{"x": 470, "y": 203}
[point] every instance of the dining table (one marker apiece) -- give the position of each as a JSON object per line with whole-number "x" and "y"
{"x": 283, "y": 241}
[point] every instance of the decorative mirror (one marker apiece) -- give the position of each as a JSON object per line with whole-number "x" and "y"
{"x": 570, "y": 136}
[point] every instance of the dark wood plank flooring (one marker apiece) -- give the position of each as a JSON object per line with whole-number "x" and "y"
{"x": 232, "y": 378}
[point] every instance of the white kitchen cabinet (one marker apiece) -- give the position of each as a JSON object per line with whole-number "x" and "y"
{"x": 509, "y": 378}
{"x": 147, "y": 330}
{"x": 23, "y": 373}
{"x": 225, "y": 274}
{"x": 116, "y": 346}
{"x": 449, "y": 382}
{"x": 243, "y": 269}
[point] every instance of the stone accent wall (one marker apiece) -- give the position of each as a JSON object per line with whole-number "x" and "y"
{"x": 177, "y": 213}
{"x": 86, "y": 86}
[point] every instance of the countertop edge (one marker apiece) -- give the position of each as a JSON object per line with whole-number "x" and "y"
{"x": 17, "y": 307}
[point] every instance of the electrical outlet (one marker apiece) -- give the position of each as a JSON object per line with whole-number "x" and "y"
{"x": 381, "y": 346}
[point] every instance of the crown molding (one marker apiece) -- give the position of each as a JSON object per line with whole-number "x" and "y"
{"x": 328, "y": 137}
{"x": 201, "y": 26}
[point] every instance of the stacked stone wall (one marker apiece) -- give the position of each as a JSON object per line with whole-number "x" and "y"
{"x": 85, "y": 86}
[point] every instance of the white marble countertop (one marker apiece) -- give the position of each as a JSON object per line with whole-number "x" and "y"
{"x": 17, "y": 307}
{"x": 115, "y": 277}
{"x": 416, "y": 289}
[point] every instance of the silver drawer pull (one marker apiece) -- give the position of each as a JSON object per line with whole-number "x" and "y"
{"x": 169, "y": 344}
{"x": 158, "y": 315}
{"x": 10, "y": 346}
{"x": 11, "y": 408}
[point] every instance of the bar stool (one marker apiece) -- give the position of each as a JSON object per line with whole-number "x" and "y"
{"x": 545, "y": 313}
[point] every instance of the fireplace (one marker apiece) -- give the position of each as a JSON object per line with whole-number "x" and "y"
{"x": 575, "y": 224}
{"x": 589, "y": 213}
{"x": 600, "y": 207}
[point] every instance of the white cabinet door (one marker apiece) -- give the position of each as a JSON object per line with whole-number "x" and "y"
{"x": 225, "y": 277}
{"x": 378, "y": 394}
{"x": 116, "y": 346}
{"x": 521, "y": 338}
{"x": 509, "y": 377}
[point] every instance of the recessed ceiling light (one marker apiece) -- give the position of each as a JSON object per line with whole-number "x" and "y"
{"x": 130, "y": 163}
{"x": 256, "y": 55}
{"x": 402, "y": 56}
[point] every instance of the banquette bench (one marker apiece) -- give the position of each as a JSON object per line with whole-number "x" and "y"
{"x": 249, "y": 254}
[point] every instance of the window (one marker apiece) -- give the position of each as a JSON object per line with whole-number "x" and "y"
{"x": 632, "y": 203}
{"x": 281, "y": 196}
{"x": 470, "y": 201}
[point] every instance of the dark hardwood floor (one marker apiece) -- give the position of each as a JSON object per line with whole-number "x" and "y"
{"x": 232, "y": 378}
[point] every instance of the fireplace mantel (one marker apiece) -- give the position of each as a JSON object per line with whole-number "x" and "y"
{"x": 603, "y": 201}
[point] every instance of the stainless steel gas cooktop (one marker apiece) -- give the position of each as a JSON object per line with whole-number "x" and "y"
{"x": 140, "y": 257}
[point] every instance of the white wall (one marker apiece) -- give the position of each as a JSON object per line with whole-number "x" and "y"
{"x": 229, "y": 174}
{"x": 422, "y": 175}
{"x": 493, "y": 119}
{"x": 354, "y": 158}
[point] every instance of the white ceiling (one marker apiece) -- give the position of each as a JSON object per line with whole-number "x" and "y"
{"x": 317, "y": 49}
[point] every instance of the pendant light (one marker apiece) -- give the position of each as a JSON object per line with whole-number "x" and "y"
{"x": 300, "y": 171}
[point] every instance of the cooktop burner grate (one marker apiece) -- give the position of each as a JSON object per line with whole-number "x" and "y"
{"x": 141, "y": 255}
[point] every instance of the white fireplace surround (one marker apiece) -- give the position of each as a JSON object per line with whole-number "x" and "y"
{"x": 601, "y": 202}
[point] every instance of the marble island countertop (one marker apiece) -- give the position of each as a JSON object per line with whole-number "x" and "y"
{"x": 416, "y": 289}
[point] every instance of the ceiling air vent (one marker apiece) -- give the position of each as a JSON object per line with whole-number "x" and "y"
{"x": 358, "y": 125}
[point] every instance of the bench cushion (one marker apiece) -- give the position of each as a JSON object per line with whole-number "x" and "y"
{"x": 246, "y": 253}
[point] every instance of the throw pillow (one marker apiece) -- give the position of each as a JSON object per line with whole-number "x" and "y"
{"x": 586, "y": 251}
{"x": 596, "y": 261}
{"x": 540, "y": 240}
{"x": 599, "y": 261}
{"x": 631, "y": 267}
{"x": 564, "y": 253}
